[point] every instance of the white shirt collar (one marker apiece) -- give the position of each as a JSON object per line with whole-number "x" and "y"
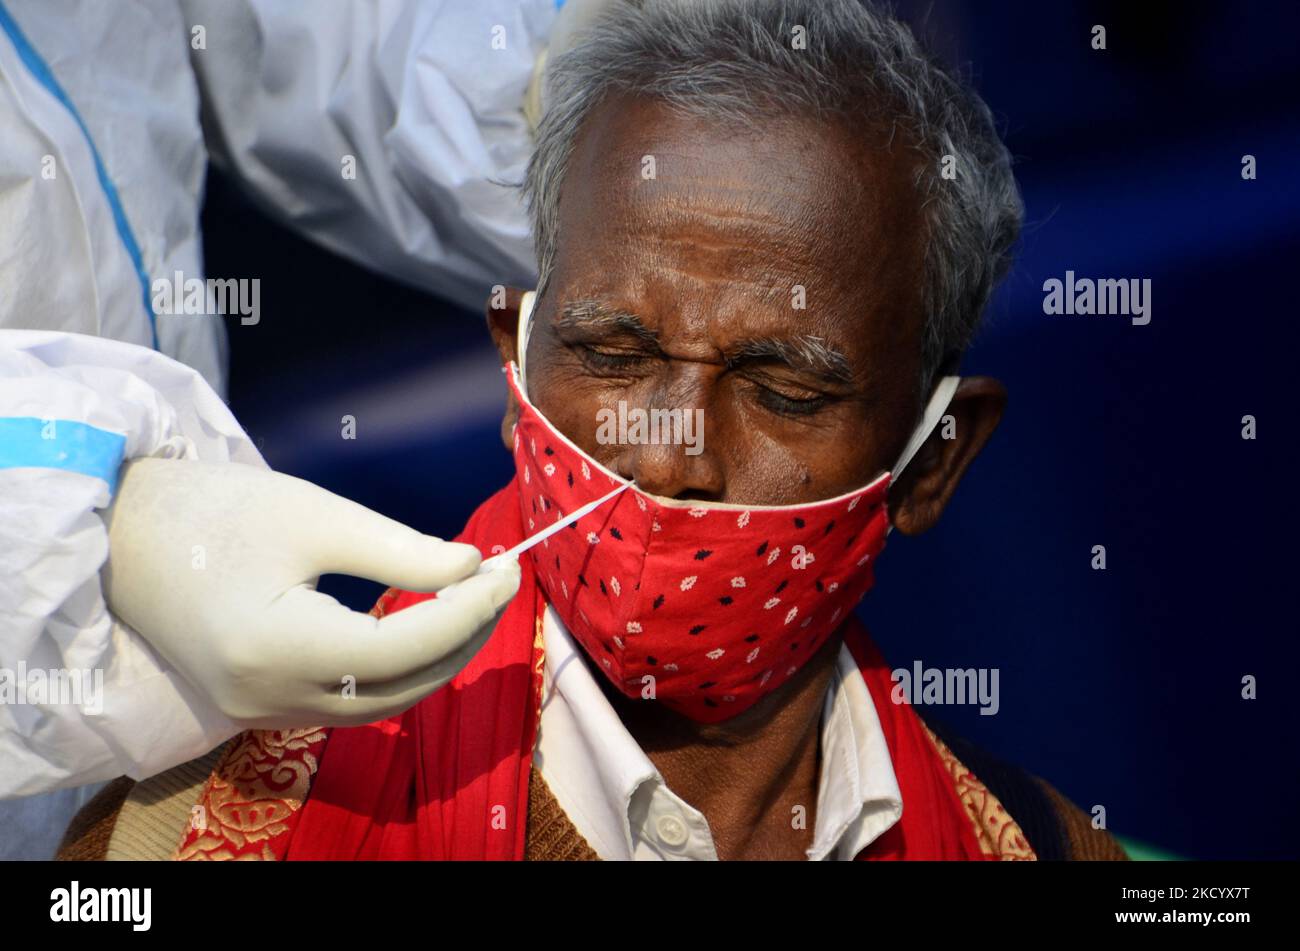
{"x": 620, "y": 803}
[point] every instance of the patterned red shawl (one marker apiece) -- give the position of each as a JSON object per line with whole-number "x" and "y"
{"x": 448, "y": 779}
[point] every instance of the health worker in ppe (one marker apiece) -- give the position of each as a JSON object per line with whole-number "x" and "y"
{"x": 156, "y": 578}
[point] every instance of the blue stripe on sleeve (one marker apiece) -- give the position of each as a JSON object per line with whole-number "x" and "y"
{"x": 37, "y": 67}
{"x": 28, "y": 442}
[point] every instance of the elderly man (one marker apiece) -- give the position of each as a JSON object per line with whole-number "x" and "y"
{"x": 781, "y": 215}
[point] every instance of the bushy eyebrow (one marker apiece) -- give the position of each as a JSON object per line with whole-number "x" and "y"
{"x": 803, "y": 352}
{"x": 593, "y": 315}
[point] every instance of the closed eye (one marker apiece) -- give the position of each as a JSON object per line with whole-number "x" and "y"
{"x": 784, "y": 397}
{"x": 789, "y": 406}
{"x": 606, "y": 359}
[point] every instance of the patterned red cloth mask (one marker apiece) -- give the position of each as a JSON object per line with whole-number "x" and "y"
{"x": 705, "y": 607}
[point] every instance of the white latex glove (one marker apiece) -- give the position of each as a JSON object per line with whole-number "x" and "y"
{"x": 215, "y": 566}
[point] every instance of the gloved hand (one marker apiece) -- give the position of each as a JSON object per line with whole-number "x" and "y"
{"x": 215, "y": 565}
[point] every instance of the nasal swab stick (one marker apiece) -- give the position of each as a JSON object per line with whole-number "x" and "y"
{"x": 550, "y": 530}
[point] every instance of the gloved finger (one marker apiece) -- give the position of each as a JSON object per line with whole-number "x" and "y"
{"x": 324, "y": 642}
{"x": 341, "y": 537}
{"x": 377, "y": 701}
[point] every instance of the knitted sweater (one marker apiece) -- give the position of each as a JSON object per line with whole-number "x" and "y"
{"x": 146, "y": 821}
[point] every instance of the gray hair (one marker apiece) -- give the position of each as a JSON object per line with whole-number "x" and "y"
{"x": 733, "y": 61}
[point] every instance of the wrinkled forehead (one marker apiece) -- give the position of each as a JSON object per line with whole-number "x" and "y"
{"x": 798, "y": 223}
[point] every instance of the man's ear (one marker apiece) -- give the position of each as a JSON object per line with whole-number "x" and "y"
{"x": 503, "y": 325}
{"x": 919, "y": 497}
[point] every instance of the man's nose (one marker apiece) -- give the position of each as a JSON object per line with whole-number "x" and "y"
{"x": 669, "y": 454}
{"x": 669, "y": 471}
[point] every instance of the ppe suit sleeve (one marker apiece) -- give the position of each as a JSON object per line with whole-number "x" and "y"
{"x": 391, "y": 133}
{"x": 83, "y": 697}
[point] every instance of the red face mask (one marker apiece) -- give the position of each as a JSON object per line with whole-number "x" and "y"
{"x": 705, "y": 607}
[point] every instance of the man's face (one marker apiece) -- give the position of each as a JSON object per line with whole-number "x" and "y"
{"x": 679, "y": 291}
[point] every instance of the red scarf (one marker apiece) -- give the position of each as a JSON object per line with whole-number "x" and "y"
{"x": 448, "y": 779}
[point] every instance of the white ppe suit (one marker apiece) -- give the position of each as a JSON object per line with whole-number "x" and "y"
{"x": 108, "y": 112}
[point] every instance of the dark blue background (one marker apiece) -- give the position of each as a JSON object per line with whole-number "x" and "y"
{"x": 1123, "y": 686}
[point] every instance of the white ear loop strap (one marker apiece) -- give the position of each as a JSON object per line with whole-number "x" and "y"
{"x": 934, "y": 411}
{"x": 525, "y": 326}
